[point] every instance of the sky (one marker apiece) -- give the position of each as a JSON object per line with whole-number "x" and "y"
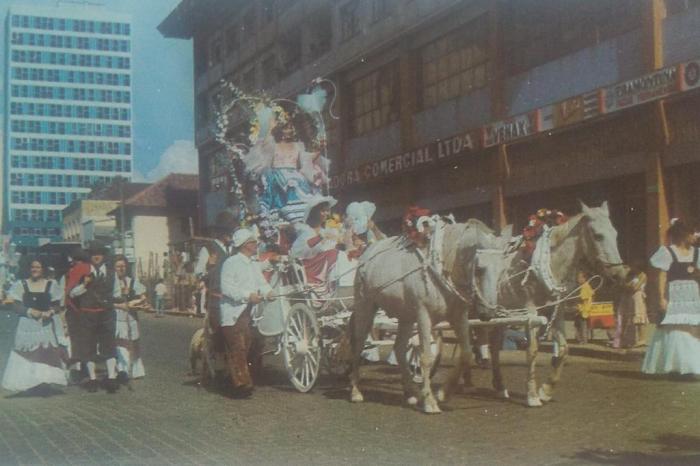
{"x": 162, "y": 85}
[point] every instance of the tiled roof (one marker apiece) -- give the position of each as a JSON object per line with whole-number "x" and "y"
{"x": 111, "y": 192}
{"x": 158, "y": 194}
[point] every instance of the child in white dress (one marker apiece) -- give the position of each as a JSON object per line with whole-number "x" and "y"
{"x": 675, "y": 346}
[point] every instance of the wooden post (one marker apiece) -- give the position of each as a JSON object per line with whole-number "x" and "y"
{"x": 657, "y": 204}
{"x": 498, "y": 204}
{"x": 499, "y": 110}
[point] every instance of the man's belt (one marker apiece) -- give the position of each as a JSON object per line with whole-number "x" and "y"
{"x": 93, "y": 309}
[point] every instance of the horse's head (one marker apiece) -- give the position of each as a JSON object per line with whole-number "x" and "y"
{"x": 599, "y": 242}
{"x": 489, "y": 264}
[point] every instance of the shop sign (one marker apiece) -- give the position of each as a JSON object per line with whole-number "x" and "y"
{"x": 690, "y": 75}
{"x": 640, "y": 90}
{"x": 568, "y": 112}
{"x": 503, "y": 132}
{"x": 435, "y": 152}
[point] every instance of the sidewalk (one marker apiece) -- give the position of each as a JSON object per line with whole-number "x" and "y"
{"x": 599, "y": 346}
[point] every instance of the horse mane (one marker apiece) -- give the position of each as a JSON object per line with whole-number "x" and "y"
{"x": 560, "y": 232}
{"x": 479, "y": 224}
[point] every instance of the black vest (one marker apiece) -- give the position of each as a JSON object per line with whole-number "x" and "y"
{"x": 39, "y": 300}
{"x": 681, "y": 270}
{"x": 99, "y": 294}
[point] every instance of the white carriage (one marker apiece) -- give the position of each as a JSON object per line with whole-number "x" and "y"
{"x": 309, "y": 329}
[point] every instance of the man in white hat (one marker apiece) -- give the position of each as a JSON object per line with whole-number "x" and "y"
{"x": 243, "y": 286}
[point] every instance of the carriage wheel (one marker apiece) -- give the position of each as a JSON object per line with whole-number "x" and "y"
{"x": 413, "y": 356}
{"x": 301, "y": 347}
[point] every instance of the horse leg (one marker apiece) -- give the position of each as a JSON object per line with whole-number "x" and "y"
{"x": 463, "y": 366}
{"x": 400, "y": 348}
{"x": 360, "y": 324}
{"x": 430, "y": 404}
{"x": 533, "y": 399}
{"x": 496, "y": 342}
{"x": 558, "y": 359}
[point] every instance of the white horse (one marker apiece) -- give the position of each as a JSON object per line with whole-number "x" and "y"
{"x": 394, "y": 276}
{"x": 587, "y": 240}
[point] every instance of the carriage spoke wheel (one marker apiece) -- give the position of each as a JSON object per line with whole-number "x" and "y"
{"x": 301, "y": 347}
{"x": 413, "y": 356}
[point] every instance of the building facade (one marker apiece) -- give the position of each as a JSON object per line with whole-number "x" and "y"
{"x": 157, "y": 217}
{"x": 68, "y": 113}
{"x": 487, "y": 109}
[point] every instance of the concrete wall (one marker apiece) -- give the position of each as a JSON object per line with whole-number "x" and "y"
{"x": 681, "y": 36}
{"x": 151, "y": 235}
{"x": 611, "y": 61}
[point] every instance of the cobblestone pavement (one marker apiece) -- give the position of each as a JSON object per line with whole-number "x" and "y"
{"x": 604, "y": 413}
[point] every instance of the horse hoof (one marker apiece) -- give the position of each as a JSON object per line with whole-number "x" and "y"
{"x": 544, "y": 394}
{"x": 411, "y": 401}
{"x": 431, "y": 408}
{"x": 356, "y": 396}
{"x": 533, "y": 402}
{"x": 503, "y": 394}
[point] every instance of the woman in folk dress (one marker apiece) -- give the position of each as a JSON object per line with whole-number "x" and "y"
{"x": 39, "y": 354}
{"x": 128, "y": 292}
{"x": 675, "y": 346}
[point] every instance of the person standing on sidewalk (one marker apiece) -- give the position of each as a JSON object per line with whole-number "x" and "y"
{"x": 632, "y": 312}
{"x": 675, "y": 346}
{"x": 94, "y": 297}
{"x": 160, "y": 291}
{"x": 243, "y": 287}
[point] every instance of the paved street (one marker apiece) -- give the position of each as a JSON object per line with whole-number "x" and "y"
{"x": 605, "y": 413}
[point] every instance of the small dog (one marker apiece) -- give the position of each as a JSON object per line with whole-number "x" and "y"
{"x": 197, "y": 349}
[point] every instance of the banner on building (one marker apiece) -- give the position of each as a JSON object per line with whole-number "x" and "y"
{"x": 690, "y": 75}
{"x": 503, "y": 132}
{"x": 637, "y": 91}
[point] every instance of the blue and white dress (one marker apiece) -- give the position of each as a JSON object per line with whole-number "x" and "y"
{"x": 675, "y": 346}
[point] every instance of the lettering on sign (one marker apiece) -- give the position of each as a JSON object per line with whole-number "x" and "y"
{"x": 429, "y": 154}
{"x": 506, "y": 131}
{"x": 640, "y": 90}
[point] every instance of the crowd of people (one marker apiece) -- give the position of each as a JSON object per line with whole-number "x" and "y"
{"x": 66, "y": 327}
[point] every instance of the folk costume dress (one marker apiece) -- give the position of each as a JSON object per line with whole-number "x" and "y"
{"x": 39, "y": 354}
{"x": 675, "y": 346}
{"x": 127, "y": 334}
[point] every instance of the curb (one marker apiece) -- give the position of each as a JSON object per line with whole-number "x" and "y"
{"x": 598, "y": 352}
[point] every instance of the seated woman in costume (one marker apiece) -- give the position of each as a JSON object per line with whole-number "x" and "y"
{"x": 317, "y": 253}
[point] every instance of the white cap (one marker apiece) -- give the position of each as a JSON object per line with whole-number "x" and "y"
{"x": 242, "y": 236}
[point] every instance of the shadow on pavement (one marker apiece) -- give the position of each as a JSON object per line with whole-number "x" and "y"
{"x": 673, "y": 449}
{"x": 40, "y": 391}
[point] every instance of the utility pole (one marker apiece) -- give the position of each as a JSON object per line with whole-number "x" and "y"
{"x": 121, "y": 215}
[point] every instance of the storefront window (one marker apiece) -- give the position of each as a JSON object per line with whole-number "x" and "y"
{"x": 456, "y": 64}
{"x": 375, "y": 100}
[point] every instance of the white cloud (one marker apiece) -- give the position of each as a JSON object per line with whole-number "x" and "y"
{"x": 180, "y": 157}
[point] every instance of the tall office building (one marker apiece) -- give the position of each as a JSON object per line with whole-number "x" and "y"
{"x": 68, "y": 112}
